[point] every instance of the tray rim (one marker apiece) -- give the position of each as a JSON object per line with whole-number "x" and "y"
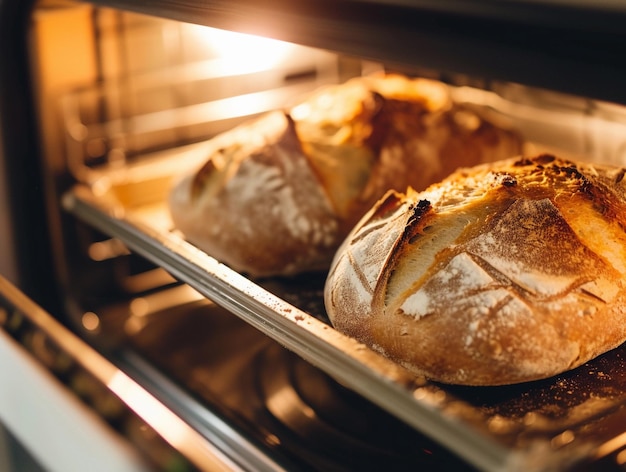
{"x": 378, "y": 379}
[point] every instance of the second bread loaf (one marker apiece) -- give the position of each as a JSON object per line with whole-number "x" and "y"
{"x": 277, "y": 195}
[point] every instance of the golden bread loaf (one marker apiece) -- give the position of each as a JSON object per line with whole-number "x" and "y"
{"x": 277, "y": 195}
{"x": 502, "y": 273}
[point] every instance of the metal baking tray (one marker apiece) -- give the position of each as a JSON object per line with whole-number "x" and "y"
{"x": 554, "y": 424}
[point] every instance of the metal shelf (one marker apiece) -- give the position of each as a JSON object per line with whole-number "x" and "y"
{"x": 486, "y": 427}
{"x": 569, "y": 46}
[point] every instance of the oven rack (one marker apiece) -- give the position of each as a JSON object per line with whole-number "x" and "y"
{"x": 349, "y": 362}
{"x": 101, "y": 390}
{"x": 487, "y": 441}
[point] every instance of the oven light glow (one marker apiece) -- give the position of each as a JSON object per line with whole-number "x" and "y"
{"x": 90, "y": 321}
{"x": 165, "y": 423}
{"x": 281, "y": 402}
{"x": 242, "y": 53}
{"x": 148, "y": 408}
{"x": 139, "y": 307}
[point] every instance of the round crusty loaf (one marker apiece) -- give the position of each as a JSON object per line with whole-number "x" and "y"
{"x": 278, "y": 195}
{"x": 502, "y": 273}
{"x": 256, "y": 204}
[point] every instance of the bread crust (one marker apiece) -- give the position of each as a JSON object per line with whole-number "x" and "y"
{"x": 278, "y": 195}
{"x": 502, "y": 273}
{"x": 261, "y": 209}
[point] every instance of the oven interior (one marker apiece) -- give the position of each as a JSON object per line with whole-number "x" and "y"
{"x": 125, "y": 101}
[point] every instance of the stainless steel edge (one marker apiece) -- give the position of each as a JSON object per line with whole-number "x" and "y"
{"x": 57, "y": 434}
{"x": 381, "y": 381}
{"x": 248, "y": 456}
{"x": 480, "y": 38}
{"x": 186, "y": 440}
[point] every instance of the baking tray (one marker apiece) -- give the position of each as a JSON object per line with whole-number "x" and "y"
{"x": 304, "y": 420}
{"x": 554, "y": 424}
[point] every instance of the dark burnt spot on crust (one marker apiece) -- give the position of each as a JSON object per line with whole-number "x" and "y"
{"x": 585, "y": 186}
{"x": 570, "y": 171}
{"x": 523, "y": 162}
{"x": 509, "y": 181}
{"x": 416, "y": 222}
{"x": 538, "y": 161}
{"x": 620, "y": 176}
{"x": 543, "y": 159}
{"x": 422, "y": 205}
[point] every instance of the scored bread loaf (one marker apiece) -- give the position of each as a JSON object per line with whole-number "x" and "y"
{"x": 277, "y": 195}
{"x": 502, "y": 273}
{"x": 256, "y": 204}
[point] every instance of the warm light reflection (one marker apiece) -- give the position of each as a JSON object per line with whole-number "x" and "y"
{"x": 90, "y": 321}
{"x": 107, "y": 249}
{"x": 282, "y": 402}
{"x": 240, "y": 53}
{"x": 139, "y": 306}
{"x": 147, "y": 407}
{"x": 167, "y": 425}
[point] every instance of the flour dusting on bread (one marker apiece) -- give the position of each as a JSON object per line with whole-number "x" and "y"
{"x": 278, "y": 194}
{"x": 497, "y": 279}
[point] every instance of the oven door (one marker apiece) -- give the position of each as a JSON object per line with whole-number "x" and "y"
{"x": 193, "y": 385}
{"x": 66, "y": 407}
{"x": 43, "y": 421}
{"x": 173, "y": 381}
